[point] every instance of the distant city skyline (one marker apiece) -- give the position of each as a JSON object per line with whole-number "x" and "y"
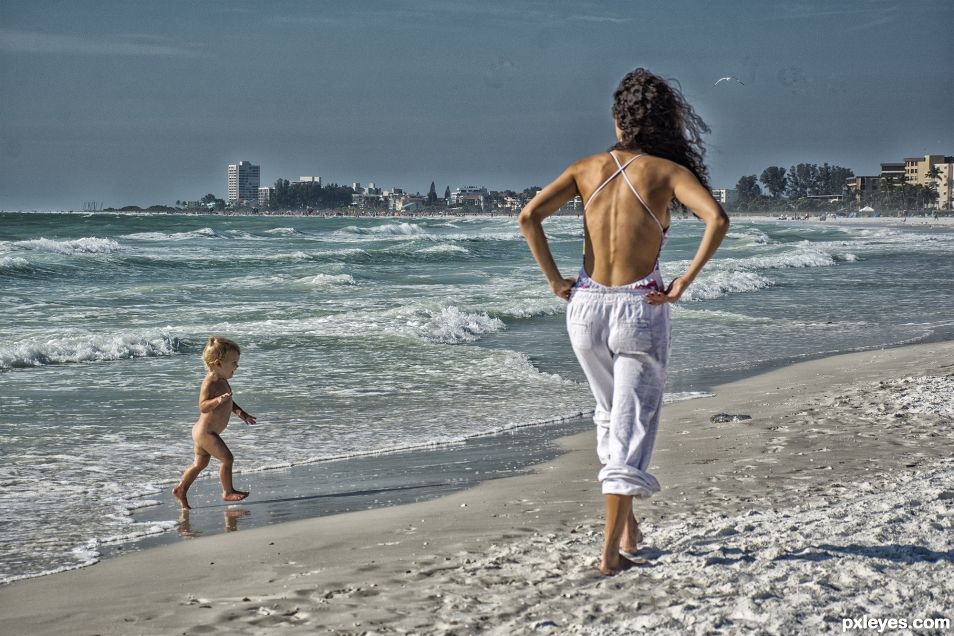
{"x": 144, "y": 103}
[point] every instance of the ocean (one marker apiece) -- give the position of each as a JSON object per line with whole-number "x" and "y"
{"x": 367, "y": 336}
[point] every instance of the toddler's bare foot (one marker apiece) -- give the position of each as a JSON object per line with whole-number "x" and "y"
{"x": 179, "y": 494}
{"x": 232, "y": 516}
{"x": 235, "y": 495}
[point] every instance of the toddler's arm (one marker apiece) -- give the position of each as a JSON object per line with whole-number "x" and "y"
{"x": 242, "y": 414}
{"x": 207, "y": 404}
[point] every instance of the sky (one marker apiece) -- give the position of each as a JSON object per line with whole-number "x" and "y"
{"x": 141, "y": 102}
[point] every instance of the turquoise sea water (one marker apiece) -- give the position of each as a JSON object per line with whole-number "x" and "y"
{"x": 364, "y": 336}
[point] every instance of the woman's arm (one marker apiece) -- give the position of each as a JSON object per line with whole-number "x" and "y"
{"x": 694, "y": 196}
{"x": 546, "y": 203}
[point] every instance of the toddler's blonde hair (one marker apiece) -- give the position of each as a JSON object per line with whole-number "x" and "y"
{"x": 216, "y": 349}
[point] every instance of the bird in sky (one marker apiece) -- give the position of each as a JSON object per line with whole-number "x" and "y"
{"x": 728, "y": 78}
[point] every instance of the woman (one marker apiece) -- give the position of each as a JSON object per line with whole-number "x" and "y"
{"x": 618, "y": 314}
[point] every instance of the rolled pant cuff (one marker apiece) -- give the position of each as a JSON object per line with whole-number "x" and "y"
{"x": 634, "y": 483}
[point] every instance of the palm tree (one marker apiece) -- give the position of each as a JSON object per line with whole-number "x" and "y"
{"x": 887, "y": 186}
{"x": 933, "y": 176}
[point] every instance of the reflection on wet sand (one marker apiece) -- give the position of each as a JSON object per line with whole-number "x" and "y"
{"x": 230, "y": 517}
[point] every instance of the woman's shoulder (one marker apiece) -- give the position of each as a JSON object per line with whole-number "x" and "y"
{"x": 650, "y": 160}
{"x": 601, "y": 159}
{"x": 659, "y": 168}
{"x": 593, "y": 166}
{"x": 592, "y": 161}
{"x": 602, "y": 163}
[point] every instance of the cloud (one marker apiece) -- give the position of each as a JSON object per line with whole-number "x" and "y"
{"x": 600, "y": 18}
{"x": 304, "y": 20}
{"x": 33, "y": 42}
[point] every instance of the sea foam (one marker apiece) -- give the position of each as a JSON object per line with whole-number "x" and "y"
{"x": 450, "y": 325}
{"x": 87, "y": 245}
{"x": 37, "y": 351}
{"x": 444, "y": 248}
{"x": 205, "y": 232}
{"x": 328, "y": 280}
{"x": 14, "y": 264}
{"x": 391, "y": 229}
{"x": 283, "y": 231}
{"x": 720, "y": 283}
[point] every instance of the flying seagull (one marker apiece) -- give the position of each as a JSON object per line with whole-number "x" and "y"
{"x": 728, "y": 78}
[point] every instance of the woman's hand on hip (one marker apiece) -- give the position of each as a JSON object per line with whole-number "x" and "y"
{"x": 673, "y": 293}
{"x": 562, "y": 287}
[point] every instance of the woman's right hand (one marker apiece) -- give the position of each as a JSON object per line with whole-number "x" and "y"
{"x": 562, "y": 287}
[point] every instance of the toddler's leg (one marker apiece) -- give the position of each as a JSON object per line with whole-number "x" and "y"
{"x": 201, "y": 461}
{"x": 214, "y": 445}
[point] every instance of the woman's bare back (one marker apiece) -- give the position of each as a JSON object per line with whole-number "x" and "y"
{"x": 623, "y": 238}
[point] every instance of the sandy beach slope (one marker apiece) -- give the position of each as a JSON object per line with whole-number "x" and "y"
{"x": 834, "y": 502}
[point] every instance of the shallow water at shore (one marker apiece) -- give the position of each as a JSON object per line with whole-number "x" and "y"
{"x": 363, "y": 336}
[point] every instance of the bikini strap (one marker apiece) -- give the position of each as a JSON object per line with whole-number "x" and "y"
{"x": 633, "y": 189}
{"x": 620, "y": 169}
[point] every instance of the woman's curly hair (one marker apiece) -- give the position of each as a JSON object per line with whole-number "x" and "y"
{"x": 656, "y": 119}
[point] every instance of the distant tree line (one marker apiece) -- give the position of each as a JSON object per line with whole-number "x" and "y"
{"x": 786, "y": 190}
{"x": 302, "y": 196}
{"x": 895, "y": 194}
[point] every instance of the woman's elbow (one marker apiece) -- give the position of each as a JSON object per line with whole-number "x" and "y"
{"x": 723, "y": 220}
{"x": 526, "y": 219}
{"x": 719, "y": 220}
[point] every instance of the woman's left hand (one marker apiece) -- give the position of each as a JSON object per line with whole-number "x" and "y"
{"x": 673, "y": 293}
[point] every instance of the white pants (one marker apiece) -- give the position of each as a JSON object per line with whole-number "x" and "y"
{"x": 622, "y": 343}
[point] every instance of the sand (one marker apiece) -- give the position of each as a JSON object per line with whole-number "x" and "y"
{"x": 833, "y": 503}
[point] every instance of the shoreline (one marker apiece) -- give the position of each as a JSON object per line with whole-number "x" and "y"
{"x": 405, "y": 567}
{"x": 326, "y": 488}
{"x": 946, "y": 219}
{"x": 285, "y": 493}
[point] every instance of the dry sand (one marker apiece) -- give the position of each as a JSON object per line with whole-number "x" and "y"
{"x": 834, "y": 501}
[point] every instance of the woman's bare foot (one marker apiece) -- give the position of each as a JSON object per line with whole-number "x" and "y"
{"x": 610, "y": 566}
{"x": 179, "y": 494}
{"x": 632, "y": 537}
{"x": 235, "y": 495}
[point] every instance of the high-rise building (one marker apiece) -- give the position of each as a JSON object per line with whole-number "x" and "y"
{"x": 725, "y": 196}
{"x": 264, "y": 196}
{"x": 244, "y": 180}
{"x": 892, "y": 173}
{"x": 469, "y": 195}
{"x": 920, "y": 170}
